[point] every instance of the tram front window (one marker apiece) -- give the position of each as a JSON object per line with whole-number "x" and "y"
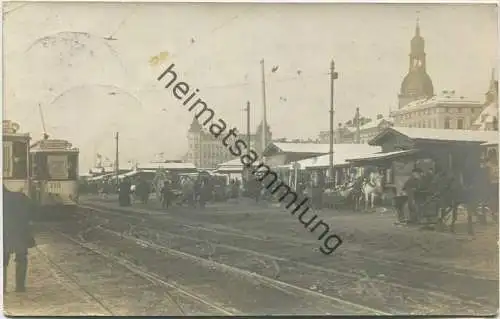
{"x": 55, "y": 166}
{"x": 20, "y": 156}
{"x": 39, "y": 166}
{"x": 72, "y": 166}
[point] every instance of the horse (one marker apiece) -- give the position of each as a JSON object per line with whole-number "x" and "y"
{"x": 372, "y": 188}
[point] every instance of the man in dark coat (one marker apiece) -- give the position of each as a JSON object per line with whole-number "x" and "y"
{"x": 475, "y": 195}
{"x": 18, "y": 238}
{"x": 124, "y": 192}
{"x": 166, "y": 194}
{"x": 412, "y": 187}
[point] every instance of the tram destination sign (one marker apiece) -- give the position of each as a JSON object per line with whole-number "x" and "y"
{"x": 55, "y": 144}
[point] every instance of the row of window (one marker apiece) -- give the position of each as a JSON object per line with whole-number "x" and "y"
{"x": 459, "y": 124}
{"x": 430, "y": 111}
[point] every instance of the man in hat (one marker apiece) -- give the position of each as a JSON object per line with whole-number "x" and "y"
{"x": 411, "y": 187}
{"x": 475, "y": 194}
{"x": 18, "y": 238}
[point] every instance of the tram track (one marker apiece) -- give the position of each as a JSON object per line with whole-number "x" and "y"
{"x": 388, "y": 259}
{"x": 309, "y": 299}
{"x": 59, "y": 272}
{"x": 153, "y": 278}
{"x": 166, "y": 235}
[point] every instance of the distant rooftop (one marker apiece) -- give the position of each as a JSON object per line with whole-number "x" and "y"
{"x": 444, "y": 97}
{"x": 440, "y": 135}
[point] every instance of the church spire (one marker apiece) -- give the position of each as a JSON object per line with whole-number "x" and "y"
{"x": 417, "y": 28}
{"x": 417, "y": 83}
{"x": 492, "y": 93}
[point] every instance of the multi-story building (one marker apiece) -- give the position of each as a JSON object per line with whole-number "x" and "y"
{"x": 444, "y": 111}
{"x": 420, "y": 107}
{"x": 352, "y": 133}
{"x": 488, "y": 118}
{"x": 206, "y": 151}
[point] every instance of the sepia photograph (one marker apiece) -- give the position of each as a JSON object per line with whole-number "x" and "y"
{"x": 237, "y": 159}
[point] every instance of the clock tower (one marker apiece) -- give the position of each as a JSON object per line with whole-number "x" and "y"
{"x": 417, "y": 84}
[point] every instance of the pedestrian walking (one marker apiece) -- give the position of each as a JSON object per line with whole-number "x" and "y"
{"x": 18, "y": 237}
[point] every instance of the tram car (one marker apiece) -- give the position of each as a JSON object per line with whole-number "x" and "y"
{"x": 15, "y": 157}
{"x": 54, "y": 172}
{"x": 490, "y": 156}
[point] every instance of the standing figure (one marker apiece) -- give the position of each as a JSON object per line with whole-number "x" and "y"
{"x": 145, "y": 190}
{"x": 475, "y": 196}
{"x": 124, "y": 192}
{"x": 205, "y": 192}
{"x": 18, "y": 238}
{"x": 166, "y": 194}
{"x": 411, "y": 187}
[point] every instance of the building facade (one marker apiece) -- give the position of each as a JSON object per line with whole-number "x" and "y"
{"x": 206, "y": 151}
{"x": 352, "y": 133}
{"x": 444, "y": 111}
{"x": 488, "y": 118}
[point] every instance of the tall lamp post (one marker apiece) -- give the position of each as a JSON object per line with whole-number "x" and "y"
{"x": 333, "y": 76}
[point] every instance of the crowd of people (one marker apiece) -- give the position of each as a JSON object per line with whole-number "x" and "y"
{"x": 190, "y": 190}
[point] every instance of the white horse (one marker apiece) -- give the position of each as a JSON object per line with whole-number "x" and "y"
{"x": 187, "y": 185}
{"x": 158, "y": 180}
{"x": 372, "y": 189}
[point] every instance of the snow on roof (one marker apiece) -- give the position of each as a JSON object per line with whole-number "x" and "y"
{"x": 170, "y": 165}
{"x": 233, "y": 162}
{"x": 297, "y": 148}
{"x": 341, "y": 152}
{"x": 487, "y": 115}
{"x": 373, "y": 124}
{"x": 491, "y": 143}
{"x": 128, "y": 174}
{"x": 97, "y": 178}
{"x": 444, "y": 97}
{"x": 232, "y": 165}
{"x": 381, "y": 155}
{"x": 441, "y": 134}
{"x": 100, "y": 169}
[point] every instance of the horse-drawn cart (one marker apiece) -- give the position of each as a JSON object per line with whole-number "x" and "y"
{"x": 341, "y": 197}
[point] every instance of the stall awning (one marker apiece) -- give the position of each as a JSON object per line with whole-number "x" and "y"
{"x": 382, "y": 156}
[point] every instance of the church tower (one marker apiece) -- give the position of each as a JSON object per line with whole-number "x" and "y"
{"x": 195, "y": 134}
{"x": 492, "y": 94}
{"x": 417, "y": 84}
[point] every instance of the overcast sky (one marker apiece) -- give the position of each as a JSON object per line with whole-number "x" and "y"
{"x": 89, "y": 87}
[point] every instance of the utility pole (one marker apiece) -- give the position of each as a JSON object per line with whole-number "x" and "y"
{"x": 117, "y": 163}
{"x": 333, "y": 77}
{"x": 264, "y": 121}
{"x": 247, "y": 109}
{"x": 248, "y": 125}
{"x": 357, "y": 119}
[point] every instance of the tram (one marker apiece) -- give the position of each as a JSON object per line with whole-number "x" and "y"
{"x": 54, "y": 172}
{"x": 490, "y": 156}
{"x": 15, "y": 157}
